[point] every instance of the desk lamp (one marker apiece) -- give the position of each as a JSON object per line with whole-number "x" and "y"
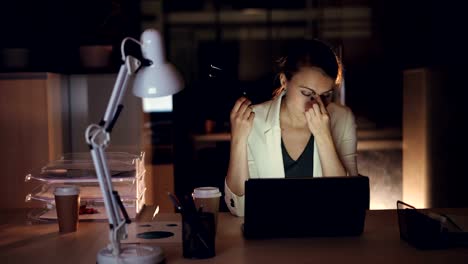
{"x": 154, "y": 77}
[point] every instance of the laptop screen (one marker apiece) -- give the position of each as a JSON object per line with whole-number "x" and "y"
{"x": 325, "y": 206}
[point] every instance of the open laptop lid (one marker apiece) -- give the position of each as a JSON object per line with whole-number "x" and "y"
{"x": 326, "y": 206}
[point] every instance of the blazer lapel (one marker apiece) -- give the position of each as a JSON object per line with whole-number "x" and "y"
{"x": 273, "y": 140}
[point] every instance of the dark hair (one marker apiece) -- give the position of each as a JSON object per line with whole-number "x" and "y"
{"x": 312, "y": 53}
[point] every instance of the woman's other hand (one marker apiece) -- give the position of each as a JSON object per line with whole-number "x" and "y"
{"x": 241, "y": 118}
{"x": 318, "y": 119}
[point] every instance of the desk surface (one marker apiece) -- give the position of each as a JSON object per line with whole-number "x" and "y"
{"x": 380, "y": 243}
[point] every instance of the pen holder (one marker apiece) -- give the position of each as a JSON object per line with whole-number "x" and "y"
{"x": 198, "y": 235}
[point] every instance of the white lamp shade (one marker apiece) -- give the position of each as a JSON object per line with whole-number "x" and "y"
{"x": 157, "y": 81}
{"x": 152, "y": 46}
{"x": 160, "y": 78}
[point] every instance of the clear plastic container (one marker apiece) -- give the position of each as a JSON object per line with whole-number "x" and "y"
{"x": 48, "y": 212}
{"x": 79, "y": 167}
{"x": 88, "y": 191}
{"x": 128, "y": 178}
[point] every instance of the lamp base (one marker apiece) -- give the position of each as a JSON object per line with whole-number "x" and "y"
{"x": 132, "y": 253}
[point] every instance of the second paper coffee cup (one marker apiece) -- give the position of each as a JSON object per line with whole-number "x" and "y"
{"x": 207, "y": 198}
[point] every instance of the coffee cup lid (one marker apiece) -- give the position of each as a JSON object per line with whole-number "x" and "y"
{"x": 67, "y": 190}
{"x": 206, "y": 192}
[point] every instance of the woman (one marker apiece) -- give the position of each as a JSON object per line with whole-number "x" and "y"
{"x": 296, "y": 134}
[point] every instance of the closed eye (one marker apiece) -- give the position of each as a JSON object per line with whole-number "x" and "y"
{"x": 329, "y": 93}
{"x": 307, "y": 93}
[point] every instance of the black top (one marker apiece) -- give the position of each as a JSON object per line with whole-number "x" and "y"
{"x": 303, "y": 166}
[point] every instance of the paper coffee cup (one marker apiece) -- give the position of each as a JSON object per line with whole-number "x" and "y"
{"x": 67, "y": 203}
{"x": 207, "y": 198}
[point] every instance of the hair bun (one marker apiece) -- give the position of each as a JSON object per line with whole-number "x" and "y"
{"x": 315, "y": 53}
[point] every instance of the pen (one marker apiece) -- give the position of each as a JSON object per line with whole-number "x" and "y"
{"x": 216, "y": 68}
{"x": 244, "y": 93}
{"x": 202, "y": 240}
{"x": 213, "y": 74}
{"x": 190, "y": 205}
{"x": 175, "y": 201}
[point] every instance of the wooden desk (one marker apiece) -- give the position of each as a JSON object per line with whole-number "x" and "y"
{"x": 380, "y": 243}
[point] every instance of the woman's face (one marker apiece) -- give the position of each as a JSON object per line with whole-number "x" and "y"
{"x": 305, "y": 86}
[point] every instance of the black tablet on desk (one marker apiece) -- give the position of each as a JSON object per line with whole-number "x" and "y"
{"x": 301, "y": 207}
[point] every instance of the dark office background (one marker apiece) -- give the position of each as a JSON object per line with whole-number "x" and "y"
{"x": 404, "y": 35}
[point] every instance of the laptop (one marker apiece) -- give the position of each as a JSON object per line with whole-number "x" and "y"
{"x": 305, "y": 207}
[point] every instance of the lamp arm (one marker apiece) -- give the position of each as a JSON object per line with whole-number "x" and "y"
{"x": 114, "y": 107}
{"x": 98, "y": 138}
{"x": 122, "y": 45}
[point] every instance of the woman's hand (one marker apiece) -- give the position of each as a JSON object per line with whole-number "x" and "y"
{"x": 241, "y": 124}
{"x": 241, "y": 120}
{"x": 318, "y": 119}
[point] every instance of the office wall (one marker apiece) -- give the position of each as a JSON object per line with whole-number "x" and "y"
{"x": 32, "y": 117}
{"x": 434, "y": 142}
{"x": 88, "y": 101}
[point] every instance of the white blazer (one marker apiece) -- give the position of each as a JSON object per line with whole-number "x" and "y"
{"x": 265, "y": 159}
